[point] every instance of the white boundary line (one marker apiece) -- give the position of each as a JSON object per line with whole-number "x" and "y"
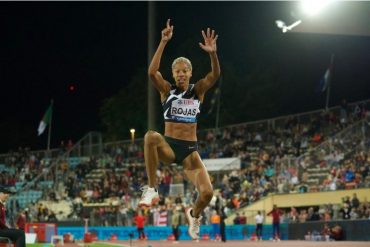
{"x": 112, "y": 244}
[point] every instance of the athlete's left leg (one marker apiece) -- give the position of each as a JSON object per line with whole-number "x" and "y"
{"x": 198, "y": 175}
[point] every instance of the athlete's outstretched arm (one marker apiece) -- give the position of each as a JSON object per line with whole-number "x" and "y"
{"x": 161, "y": 84}
{"x": 209, "y": 80}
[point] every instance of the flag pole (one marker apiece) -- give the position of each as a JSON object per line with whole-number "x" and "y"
{"x": 330, "y": 79}
{"x": 49, "y": 131}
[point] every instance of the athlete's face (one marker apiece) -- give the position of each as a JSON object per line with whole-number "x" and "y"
{"x": 182, "y": 74}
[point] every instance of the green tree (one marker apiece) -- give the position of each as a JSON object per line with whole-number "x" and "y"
{"x": 126, "y": 109}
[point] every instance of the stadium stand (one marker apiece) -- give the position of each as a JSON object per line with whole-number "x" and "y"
{"x": 310, "y": 152}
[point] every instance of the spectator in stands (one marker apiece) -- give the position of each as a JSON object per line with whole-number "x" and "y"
{"x": 346, "y": 200}
{"x": 312, "y": 214}
{"x": 275, "y": 213}
{"x": 345, "y": 211}
{"x": 349, "y": 175}
{"x": 130, "y": 215}
{"x": 178, "y": 199}
{"x": 293, "y": 215}
{"x": 237, "y": 219}
{"x": 327, "y": 216}
{"x": 284, "y": 217}
{"x": 177, "y": 219}
{"x": 179, "y": 144}
{"x": 317, "y": 138}
{"x": 243, "y": 219}
{"x": 16, "y": 235}
{"x": 355, "y": 203}
{"x": 337, "y": 233}
{"x": 353, "y": 214}
{"x": 52, "y": 217}
{"x": 326, "y": 232}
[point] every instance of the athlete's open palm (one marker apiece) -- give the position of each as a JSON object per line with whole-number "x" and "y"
{"x": 209, "y": 41}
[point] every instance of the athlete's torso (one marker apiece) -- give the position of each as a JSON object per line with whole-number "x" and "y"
{"x": 180, "y": 112}
{"x": 181, "y": 107}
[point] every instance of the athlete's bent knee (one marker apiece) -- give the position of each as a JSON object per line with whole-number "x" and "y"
{"x": 151, "y": 137}
{"x": 207, "y": 195}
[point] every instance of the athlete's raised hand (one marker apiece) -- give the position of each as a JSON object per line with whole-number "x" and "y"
{"x": 209, "y": 41}
{"x": 167, "y": 31}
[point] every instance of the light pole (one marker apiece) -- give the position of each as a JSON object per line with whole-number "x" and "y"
{"x": 132, "y": 131}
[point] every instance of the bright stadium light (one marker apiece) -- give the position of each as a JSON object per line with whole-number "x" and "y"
{"x": 313, "y": 7}
{"x": 284, "y": 28}
{"x": 132, "y": 131}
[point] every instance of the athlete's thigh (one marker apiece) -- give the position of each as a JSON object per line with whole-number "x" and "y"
{"x": 196, "y": 171}
{"x": 165, "y": 152}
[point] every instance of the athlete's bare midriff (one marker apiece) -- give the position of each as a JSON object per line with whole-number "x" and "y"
{"x": 181, "y": 131}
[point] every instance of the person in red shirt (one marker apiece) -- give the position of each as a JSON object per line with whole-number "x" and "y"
{"x": 16, "y": 235}
{"x": 21, "y": 221}
{"x": 243, "y": 221}
{"x": 275, "y": 213}
{"x": 140, "y": 222}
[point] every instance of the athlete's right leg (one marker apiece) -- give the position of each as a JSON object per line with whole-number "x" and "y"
{"x": 155, "y": 149}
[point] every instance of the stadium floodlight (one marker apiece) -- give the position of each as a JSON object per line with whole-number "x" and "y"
{"x": 280, "y": 24}
{"x": 313, "y": 7}
{"x": 284, "y": 28}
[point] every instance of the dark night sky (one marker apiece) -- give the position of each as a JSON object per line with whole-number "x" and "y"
{"x": 98, "y": 46}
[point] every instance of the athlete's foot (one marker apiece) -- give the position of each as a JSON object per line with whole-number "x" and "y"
{"x": 194, "y": 224}
{"x": 149, "y": 197}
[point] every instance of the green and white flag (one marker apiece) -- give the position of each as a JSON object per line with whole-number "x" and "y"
{"x": 46, "y": 119}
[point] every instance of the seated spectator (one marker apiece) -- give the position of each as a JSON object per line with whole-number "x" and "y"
{"x": 237, "y": 219}
{"x": 242, "y": 219}
{"x": 337, "y": 233}
{"x": 345, "y": 211}
{"x": 293, "y": 214}
{"x": 317, "y": 138}
{"x": 355, "y": 203}
{"x": 326, "y": 232}
{"x": 302, "y": 216}
{"x": 349, "y": 175}
{"x": 327, "y": 216}
{"x": 353, "y": 214}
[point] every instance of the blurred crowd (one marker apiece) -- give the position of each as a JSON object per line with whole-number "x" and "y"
{"x": 349, "y": 209}
{"x": 106, "y": 189}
